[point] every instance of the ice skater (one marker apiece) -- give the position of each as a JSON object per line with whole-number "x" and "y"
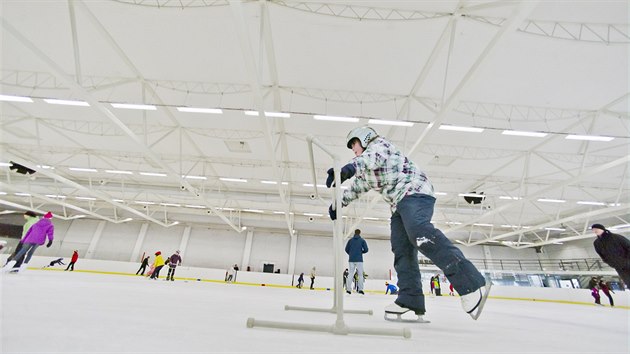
{"x": 313, "y": 273}
{"x": 614, "y": 250}
{"x": 143, "y": 265}
{"x": 157, "y": 265}
{"x": 356, "y": 248}
{"x": 55, "y": 262}
{"x": 391, "y": 289}
{"x": 30, "y": 218}
{"x": 378, "y": 165}
{"x": 300, "y": 281}
{"x": 73, "y": 260}
{"x": 35, "y": 237}
{"x": 607, "y": 290}
{"x": 174, "y": 261}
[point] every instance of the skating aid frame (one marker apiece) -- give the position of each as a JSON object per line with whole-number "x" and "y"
{"x": 339, "y": 326}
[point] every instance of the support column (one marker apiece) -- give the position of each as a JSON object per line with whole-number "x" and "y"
{"x": 184, "y": 243}
{"x": 97, "y": 236}
{"x": 247, "y": 251}
{"x": 292, "y": 252}
{"x": 488, "y": 256}
{"x": 139, "y": 241}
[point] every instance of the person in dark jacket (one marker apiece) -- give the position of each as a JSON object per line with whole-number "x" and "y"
{"x": 73, "y": 260}
{"x": 607, "y": 290}
{"x": 614, "y": 250}
{"x": 143, "y": 265}
{"x": 355, "y": 248}
{"x": 174, "y": 261}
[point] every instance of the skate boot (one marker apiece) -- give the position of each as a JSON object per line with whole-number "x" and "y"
{"x": 398, "y": 311}
{"x": 361, "y": 292}
{"x": 7, "y": 268}
{"x": 474, "y": 302}
{"x": 21, "y": 269}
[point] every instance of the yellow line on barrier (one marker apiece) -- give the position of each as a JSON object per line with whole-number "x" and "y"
{"x": 321, "y": 289}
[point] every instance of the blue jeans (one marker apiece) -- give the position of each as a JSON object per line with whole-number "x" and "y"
{"x": 412, "y": 231}
{"x": 27, "y": 249}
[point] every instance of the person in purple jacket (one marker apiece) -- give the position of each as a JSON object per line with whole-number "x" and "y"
{"x": 35, "y": 237}
{"x": 173, "y": 262}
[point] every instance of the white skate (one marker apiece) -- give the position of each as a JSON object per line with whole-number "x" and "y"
{"x": 394, "y": 309}
{"x": 8, "y": 267}
{"x": 473, "y": 303}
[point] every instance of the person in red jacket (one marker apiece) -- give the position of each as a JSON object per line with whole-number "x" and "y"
{"x": 75, "y": 258}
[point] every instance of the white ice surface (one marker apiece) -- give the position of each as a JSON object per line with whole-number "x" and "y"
{"x": 66, "y": 312}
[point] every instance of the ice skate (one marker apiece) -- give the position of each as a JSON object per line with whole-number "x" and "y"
{"x": 473, "y": 303}
{"x": 398, "y": 311}
{"x": 8, "y": 267}
{"x": 22, "y": 268}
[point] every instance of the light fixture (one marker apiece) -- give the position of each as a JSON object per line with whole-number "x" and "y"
{"x": 507, "y": 197}
{"x": 240, "y": 180}
{"x": 10, "y": 98}
{"x": 484, "y": 225}
{"x": 524, "y": 133}
{"x": 440, "y": 193}
{"x": 279, "y": 212}
{"x": 171, "y": 204}
{"x": 196, "y": 177}
{"x": 453, "y": 223}
{"x": 5, "y": 164}
{"x": 590, "y": 203}
{"x": 243, "y": 228}
{"x": 370, "y": 218}
{"x": 119, "y": 172}
{"x": 81, "y": 169}
{"x": 614, "y": 204}
{"x": 3, "y": 193}
{"x": 511, "y": 226}
{"x": 118, "y": 200}
{"x": 66, "y": 102}
{"x": 146, "y": 107}
{"x": 472, "y": 195}
{"x": 251, "y": 113}
{"x": 554, "y": 229}
{"x": 460, "y": 129}
{"x": 22, "y": 194}
{"x": 56, "y": 196}
{"x": 620, "y": 226}
{"x": 254, "y": 210}
{"x": 127, "y": 219}
{"x": 153, "y": 174}
{"x": 200, "y": 110}
{"x": 311, "y": 185}
{"x": 313, "y": 214}
{"x": 551, "y": 200}
{"x": 589, "y": 137}
{"x": 143, "y": 202}
{"x": 397, "y": 123}
{"x": 225, "y": 209}
{"x": 278, "y": 114}
{"x": 85, "y": 198}
{"x": 45, "y": 167}
{"x": 336, "y": 118}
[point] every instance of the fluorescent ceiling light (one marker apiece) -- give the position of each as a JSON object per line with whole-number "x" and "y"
{"x": 614, "y": 204}
{"x": 254, "y": 210}
{"x": 243, "y": 228}
{"x": 118, "y": 200}
{"x": 127, "y": 219}
{"x": 336, "y": 118}
{"x": 461, "y": 129}
{"x": 4, "y": 164}
{"x": 81, "y": 169}
{"x": 195, "y": 206}
{"x": 511, "y": 226}
{"x": 552, "y": 200}
{"x": 473, "y": 195}
{"x": 3, "y": 193}
{"x": 311, "y": 185}
{"x": 459, "y": 241}
{"x": 524, "y": 133}
{"x": 23, "y": 194}
{"x": 56, "y": 196}
{"x": 154, "y": 174}
{"x": 85, "y": 198}
{"x": 9, "y": 98}
{"x": 620, "y": 226}
{"x": 66, "y": 102}
{"x": 506, "y": 197}
{"x": 251, "y": 113}
{"x": 240, "y": 180}
{"x": 554, "y": 229}
{"x": 144, "y": 202}
{"x": 274, "y": 182}
{"x": 313, "y": 214}
{"x": 146, "y": 107}
{"x": 196, "y": 177}
{"x": 390, "y": 122}
{"x": 7, "y": 212}
{"x": 440, "y": 193}
{"x": 171, "y": 204}
{"x": 370, "y": 218}
{"x": 277, "y": 114}
{"x": 486, "y": 225}
{"x": 590, "y": 203}
{"x": 589, "y": 137}
{"x": 279, "y": 212}
{"x": 200, "y": 110}
{"x": 453, "y": 223}
{"x": 119, "y": 172}
{"x": 225, "y": 209}
{"x": 45, "y": 167}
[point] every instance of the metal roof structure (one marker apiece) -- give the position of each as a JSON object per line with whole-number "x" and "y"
{"x": 197, "y": 111}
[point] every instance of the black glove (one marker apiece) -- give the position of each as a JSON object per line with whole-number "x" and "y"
{"x": 332, "y": 213}
{"x": 347, "y": 172}
{"x": 49, "y": 243}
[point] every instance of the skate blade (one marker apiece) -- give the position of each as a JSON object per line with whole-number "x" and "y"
{"x": 399, "y": 318}
{"x": 479, "y": 308}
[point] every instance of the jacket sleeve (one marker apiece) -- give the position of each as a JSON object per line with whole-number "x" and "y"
{"x": 365, "y": 247}
{"x": 625, "y": 245}
{"x": 50, "y": 232}
{"x": 348, "y": 246}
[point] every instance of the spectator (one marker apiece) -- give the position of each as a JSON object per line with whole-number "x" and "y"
{"x": 355, "y": 248}
{"x": 73, "y": 260}
{"x": 174, "y": 261}
{"x": 35, "y": 237}
{"x": 313, "y": 273}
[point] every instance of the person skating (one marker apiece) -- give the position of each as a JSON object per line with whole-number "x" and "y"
{"x": 55, "y": 262}
{"x": 35, "y": 237}
{"x": 174, "y": 261}
{"x": 73, "y": 260}
{"x": 355, "y": 248}
{"x": 606, "y": 290}
{"x": 313, "y": 274}
{"x": 391, "y": 289}
{"x": 378, "y": 165}
{"x": 157, "y": 265}
{"x": 300, "y": 281}
{"x": 143, "y": 265}
{"x": 30, "y": 218}
{"x": 345, "y": 279}
{"x": 614, "y": 250}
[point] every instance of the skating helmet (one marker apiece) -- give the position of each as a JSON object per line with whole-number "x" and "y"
{"x": 158, "y": 253}
{"x": 365, "y": 134}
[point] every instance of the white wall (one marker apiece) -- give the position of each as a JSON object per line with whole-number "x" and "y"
{"x": 576, "y": 249}
{"x": 116, "y": 242}
{"x": 269, "y": 248}
{"x": 314, "y": 251}
{"x": 214, "y": 248}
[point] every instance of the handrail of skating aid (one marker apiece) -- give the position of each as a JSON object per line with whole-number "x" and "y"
{"x": 339, "y": 327}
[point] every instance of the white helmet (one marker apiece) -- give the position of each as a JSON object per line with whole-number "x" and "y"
{"x": 365, "y": 134}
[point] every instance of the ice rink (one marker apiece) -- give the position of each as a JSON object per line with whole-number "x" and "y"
{"x": 70, "y": 312}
